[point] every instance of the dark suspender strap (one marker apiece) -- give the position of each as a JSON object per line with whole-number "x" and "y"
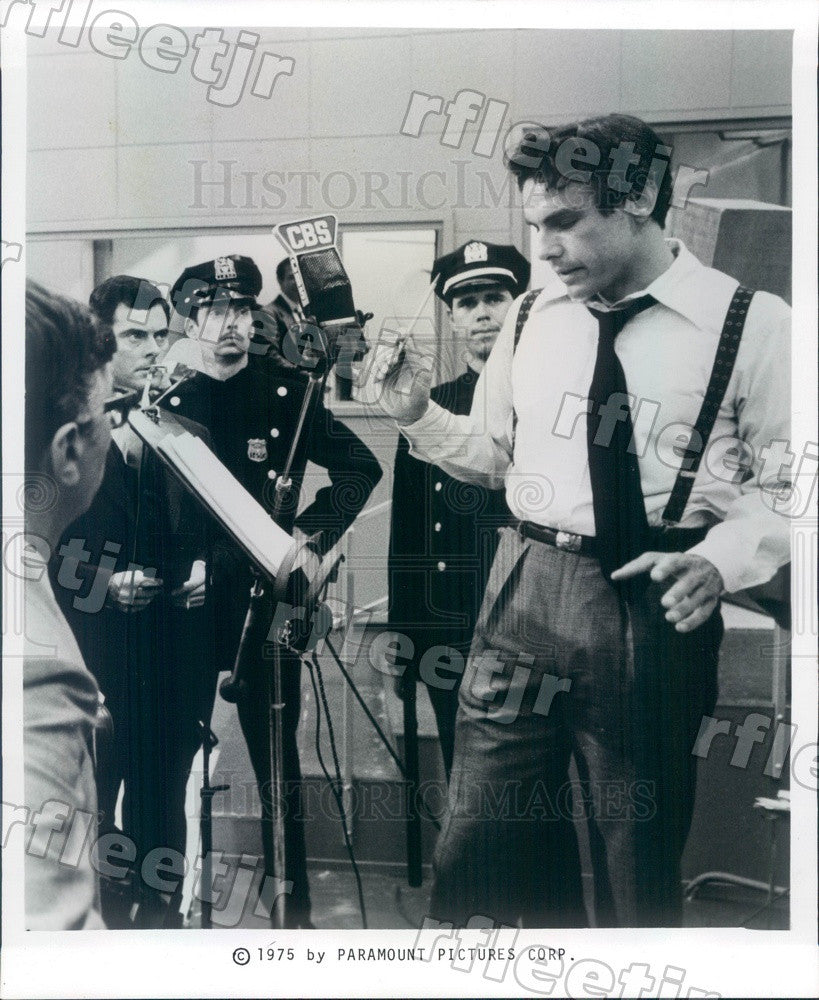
{"x": 523, "y": 315}
{"x": 715, "y": 393}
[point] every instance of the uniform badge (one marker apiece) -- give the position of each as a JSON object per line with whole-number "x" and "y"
{"x": 224, "y": 269}
{"x": 257, "y": 449}
{"x": 474, "y": 252}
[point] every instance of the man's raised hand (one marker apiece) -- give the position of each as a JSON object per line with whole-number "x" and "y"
{"x": 398, "y": 378}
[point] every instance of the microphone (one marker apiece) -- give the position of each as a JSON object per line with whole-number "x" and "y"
{"x": 145, "y": 401}
{"x": 323, "y": 285}
{"x": 325, "y": 294}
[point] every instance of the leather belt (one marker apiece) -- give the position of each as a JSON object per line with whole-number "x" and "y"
{"x": 660, "y": 539}
{"x": 583, "y": 545}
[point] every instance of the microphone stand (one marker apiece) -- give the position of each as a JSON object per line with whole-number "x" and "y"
{"x": 276, "y": 706}
{"x": 206, "y": 794}
{"x": 266, "y": 589}
{"x": 258, "y": 617}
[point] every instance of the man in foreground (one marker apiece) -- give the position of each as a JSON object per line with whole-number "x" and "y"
{"x": 68, "y": 382}
{"x": 600, "y": 625}
{"x": 443, "y": 535}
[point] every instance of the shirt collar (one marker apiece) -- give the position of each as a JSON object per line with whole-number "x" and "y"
{"x": 685, "y": 287}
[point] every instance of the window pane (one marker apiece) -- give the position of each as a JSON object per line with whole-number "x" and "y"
{"x": 389, "y": 270}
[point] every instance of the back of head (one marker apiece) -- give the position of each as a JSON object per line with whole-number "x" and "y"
{"x": 65, "y": 346}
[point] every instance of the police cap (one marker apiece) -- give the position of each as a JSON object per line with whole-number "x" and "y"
{"x": 478, "y": 264}
{"x": 232, "y": 277}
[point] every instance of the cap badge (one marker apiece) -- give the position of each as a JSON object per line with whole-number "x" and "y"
{"x": 224, "y": 269}
{"x": 474, "y": 252}
{"x": 257, "y": 449}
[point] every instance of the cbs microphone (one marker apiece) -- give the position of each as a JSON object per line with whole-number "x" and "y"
{"x": 335, "y": 334}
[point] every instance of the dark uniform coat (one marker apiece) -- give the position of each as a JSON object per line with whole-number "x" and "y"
{"x": 443, "y": 537}
{"x": 252, "y": 418}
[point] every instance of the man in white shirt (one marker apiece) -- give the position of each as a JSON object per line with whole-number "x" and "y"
{"x": 599, "y": 634}
{"x": 68, "y": 382}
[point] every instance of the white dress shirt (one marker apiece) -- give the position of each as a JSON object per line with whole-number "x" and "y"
{"x": 667, "y": 353}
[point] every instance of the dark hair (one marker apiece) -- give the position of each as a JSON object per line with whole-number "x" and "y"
{"x": 65, "y": 346}
{"x": 280, "y": 267}
{"x": 548, "y": 157}
{"x": 124, "y": 289}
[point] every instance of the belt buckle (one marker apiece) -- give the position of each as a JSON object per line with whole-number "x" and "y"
{"x": 568, "y": 542}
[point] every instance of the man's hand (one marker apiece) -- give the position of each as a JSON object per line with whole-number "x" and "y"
{"x": 400, "y": 384}
{"x": 132, "y": 590}
{"x": 192, "y": 592}
{"x": 692, "y": 599}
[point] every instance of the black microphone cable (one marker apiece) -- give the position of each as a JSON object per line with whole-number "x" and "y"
{"x": 382, "y": 735}
{"x": 321, "y": 704}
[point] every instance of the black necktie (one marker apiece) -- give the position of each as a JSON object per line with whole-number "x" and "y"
{"x": 619, "y": 509}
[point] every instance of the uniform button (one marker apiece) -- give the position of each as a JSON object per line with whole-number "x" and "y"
{"x": 437, "y": 525}
{"x": 282, "y": 390}
{"x": 274, "y": 432}
{"x": 271, "y": 473}
{"x": 438, "y": 487}
{"x": 174, "y": 400}
{"x": 442, "y": 566}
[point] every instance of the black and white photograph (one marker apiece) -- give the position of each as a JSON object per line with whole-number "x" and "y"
{"x": 409, "y": 499}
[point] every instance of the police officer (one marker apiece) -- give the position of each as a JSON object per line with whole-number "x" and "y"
{"x": 250, "y": 403}
{"x": 443, "y": 532}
